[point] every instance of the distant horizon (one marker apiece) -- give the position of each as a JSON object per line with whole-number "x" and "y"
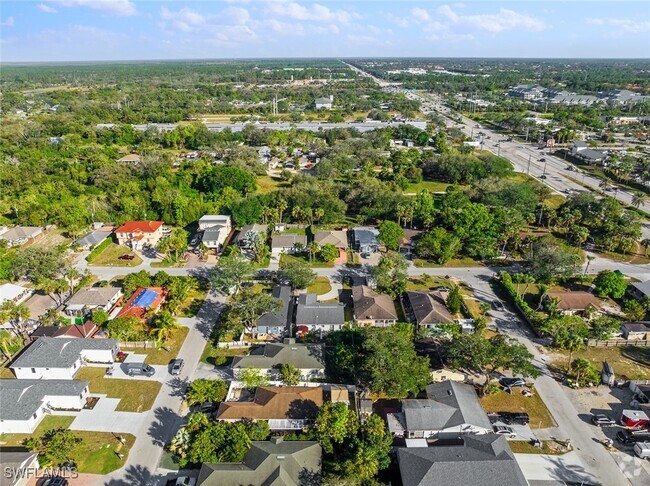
{"x": 97, "y": 31}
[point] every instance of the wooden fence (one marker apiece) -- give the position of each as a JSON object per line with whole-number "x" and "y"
{"x": 138, "y": 344}
{"x": 234, "y": 344}
{"x": 618, "y": 342}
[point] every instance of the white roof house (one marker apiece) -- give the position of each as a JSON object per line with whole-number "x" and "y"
{"x": 216, "y": 229}
{"x": 16, "y": 293}
{"x": 210, "y": 220}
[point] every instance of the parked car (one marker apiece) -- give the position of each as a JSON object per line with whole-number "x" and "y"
{"x": 139, "y": 369}
{"x": 176, "y": 366}
{"x": 601, "y": 420}
{"x": 509, "y": 418}
{"x": 497, "y": 305}
{"x": 504, "y": 430}
{"x": 207, "y": 408}
{"x": 512, "y": 382}
{"x": 182, "y": 481}
{"x": 632, "y": 437}
{"x": 57, "y": 481}
{"x": 126, "y": 256}
{"x": 642, "y": 450}
{"x": 542, "y": 176}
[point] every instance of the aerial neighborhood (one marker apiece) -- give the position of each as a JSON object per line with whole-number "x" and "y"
{"x": 307, "y": 272}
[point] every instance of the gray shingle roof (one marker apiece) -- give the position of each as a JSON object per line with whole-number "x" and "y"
{"x": 309, "y": 311}
{"x": 482, "y": 460}
{"x": 592, "y": 154}
{"x": 288, "y": 241}
{"x": 47, "y": 352}
{"x": 429, "y": 307}
{"x": 642, "y": 287}
{"x": 370, "y": 305}
{"x": 280, "y": 317}
{"x": 21, "y": 398}
{"x": 303, "y": 356}
{"x": 19, "y": 232}
{"x": 258, "y": 228}
{"x": 93, "y": 238}
{"x": 462, "y": 397}
{"x": 275, "y": 462}
{"x": 94, "y": 296}
{"x": 365, "y": 235}
{"x": 642, "y": 326}
{"x": 337, "y": 238}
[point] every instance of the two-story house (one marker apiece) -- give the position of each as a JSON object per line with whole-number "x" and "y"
{"x": 139, "y": 234}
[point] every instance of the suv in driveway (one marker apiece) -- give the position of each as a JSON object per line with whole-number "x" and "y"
{"x": 632, "y": 437}
{"x": 509, "y": 418}
{"x": 139, "y": 369}
{"x": 504, "y": 430}
{"x": 601, "y": 420}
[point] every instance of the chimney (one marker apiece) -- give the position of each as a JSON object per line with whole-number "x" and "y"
{"x": 276, "y": 439}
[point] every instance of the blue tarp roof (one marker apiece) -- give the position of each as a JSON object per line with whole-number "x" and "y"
{"x": 145, "y": 298}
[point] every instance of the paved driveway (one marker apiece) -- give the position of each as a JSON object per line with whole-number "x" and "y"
{"x": 566, "y": 468}
{"x": 104, "y": 418}
{"x": 120, "y": 373}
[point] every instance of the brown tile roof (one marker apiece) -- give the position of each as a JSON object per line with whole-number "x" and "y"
{"x": 78, "y": 330}
{"x": 139, "y": 227}
{"x": 370, "y": 305}
{"x": 273, "y": 402}
{"x": 575, "y": 300}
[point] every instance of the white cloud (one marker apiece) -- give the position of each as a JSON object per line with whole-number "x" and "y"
{"x": 505, "y": 19}
{"x": 420, "y": 14}
{"x": 314, "y": 12}
{"x": 121, "y": 8}
{"x": 185, "y": 19}
{"x": 236, "y": 15}
{"x": 46, "y": 8}
{"x": 8, "y": 23}
{"x": 627, "y": 25}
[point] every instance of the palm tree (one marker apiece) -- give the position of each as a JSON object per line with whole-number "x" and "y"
{"x": 589, "y": 260}
{"x": 639, "y": 199}
{"x": 163, "y": 325}
{"x": 604, "y": 185}
{"x": 296, "y": 213}
{"x": 313, "y": 248}
{"x": 318, "y": 214}
{"x": 15, "y": 314}
{"x": 280, "y": 207}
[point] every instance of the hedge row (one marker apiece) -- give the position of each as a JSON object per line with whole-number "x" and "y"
{"x": 531, "y": 316}
{"x": 98, "y": 249}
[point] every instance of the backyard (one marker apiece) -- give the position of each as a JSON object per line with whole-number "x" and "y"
{"x": 110, "y": 257}
{"x": 134, "y": 395}
{"x": 97, "y": 454}
{"x": 163, "y": 355}
{"x": 540, "y": 417}
{"x": 210, "y": 352}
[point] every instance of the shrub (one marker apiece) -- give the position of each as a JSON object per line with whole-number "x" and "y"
{"x": 98, "y": 249}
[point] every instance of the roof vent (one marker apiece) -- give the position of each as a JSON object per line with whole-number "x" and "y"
{"x": 449, "y": 392}
{"x": 279, "y": 458}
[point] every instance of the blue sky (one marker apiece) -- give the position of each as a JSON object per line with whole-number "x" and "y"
{"x": 85, "y": 30}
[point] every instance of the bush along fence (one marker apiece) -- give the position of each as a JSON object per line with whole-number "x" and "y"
{"x": 618, "y": 342}
{"x": 98, "y": 249}
{"x": 505, "y": 281}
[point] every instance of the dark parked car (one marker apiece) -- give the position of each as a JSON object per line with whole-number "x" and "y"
{"x": 139, "y": 369}
{"x": 126, "y": 256}
{"x": 207, "y": 407}
{"x": 509, "y": 418}
{"x": 176, "y": 366}
{"x": 497, "y": 305}
{"x": 632, "y": 437}
{"x": 512, "y": 382}
{"x": 54, "y": 482}
{"x": 601, "y": 420}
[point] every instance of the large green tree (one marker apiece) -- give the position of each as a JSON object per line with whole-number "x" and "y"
{"x": 298, "y": 273}
{"x": 206, "y": 390}
{"x": 610, "y": 284}
{"x": 231, "y": 272}
{"x": 390, "y": 234}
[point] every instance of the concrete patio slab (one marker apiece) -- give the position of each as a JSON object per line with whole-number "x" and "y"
{"x": 104, "y": 418}
{"x": 567, "y": 468}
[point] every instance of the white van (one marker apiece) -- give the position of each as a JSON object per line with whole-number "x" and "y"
{"x": 642, "y": 450}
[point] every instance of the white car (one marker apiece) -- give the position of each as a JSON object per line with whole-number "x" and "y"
{"x": 504, "y": 430}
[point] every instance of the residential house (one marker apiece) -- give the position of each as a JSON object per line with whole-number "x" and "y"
{"x": 451, "y": 410}
{"x": 26, "y": 402}
{"x": 143, "y": 301}
{"x": 635, "y": 330}
{"x": 284, "y": 407}
{"x": 216, "y": 229}
{"x": 269, "y": 358}
{"x": 277, "y": 323}
{"x": 86, "y": 330}
{"x": 93, "y": 298}
{"x": 371, "y": 308}
{"x": 582, "y": 151}
{"x": 273, "y": 462}
{"x": 475, "y": 460}
{"x": 338, "y": 238}
{"x": 288, "y": 243}
{"x": 93, "y": 238}
{"x": 139, "y": 234}
{"x": 324, "y": 103}
{"x": 428, "y": 309}
{"x": 14, "y": 293}
{"x": 639, "y": 290}
{"x": 573, "y": 302}
{"x": 365, "y": 239}
{"x": 313, "y": 316}
{"x": 240, "y": 239}
{"x": 22, "y": 465}
{"x": 51, "y": 358}
{"x": 130, "y": 158}
{"x": 19, "y": 235}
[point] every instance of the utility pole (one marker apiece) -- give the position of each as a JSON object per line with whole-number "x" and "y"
{"x": 529, "y": 157}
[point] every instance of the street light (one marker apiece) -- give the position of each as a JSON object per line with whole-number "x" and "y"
{"x": 498, "y": 146}
{"x": 545, "y": 162}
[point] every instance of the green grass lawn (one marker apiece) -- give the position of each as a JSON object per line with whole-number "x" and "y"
{"x": 636, "y": 257}
{"x": 431, "y": 186}
{"x": 190, "y": 307}
{"x": 453, "y": 263}
{"x": 549, "y": 447}
{"x": 630, "y": 361}
{"x": 540, "y": 417}
{"x": 211, "y": 351}
{"x": 134, "y": 395}
{"x": 163, "y": 355}
{"x": 6, "y": 373}
{"x": 426, "y": 282}
{"x": 266, "y": 184}
{"x": 320, "y": 286}
{"x": 96, "y": 454}
{"x": 284, "y": 257}
{"x": 110, "y": 257}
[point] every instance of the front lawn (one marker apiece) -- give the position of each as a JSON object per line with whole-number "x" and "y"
{"x": 426, "y": 282}
{"x": 320, "y": 286}
{"x": 190, "y": 307}
{"x": 315, "y": 263}
{"x": 134, "y": 395}
{"x": 110, "y": 257}
{"x": 211, "y": 351}
{"x": 163, "y": 355}
{"x": 97, "y": 453}
{"x": 540, "y": 417}
{"x": 549, "y": 447}
{"x": 453, "y": 263}
{"x": 631, "y": 362}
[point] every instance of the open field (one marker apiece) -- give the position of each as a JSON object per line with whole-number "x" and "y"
{"x": 629, "y": 361}
{"x": 163, "y": 355}
{"x": 267, "y": 183}
{"x": 110, "y": 257}
{"x": 134, "y": 395}
{"x": 97, "y": 452}
{"x": 49, "y": 239}
{"x": 431, "y": 186}
{"x": 540, "y": 417}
